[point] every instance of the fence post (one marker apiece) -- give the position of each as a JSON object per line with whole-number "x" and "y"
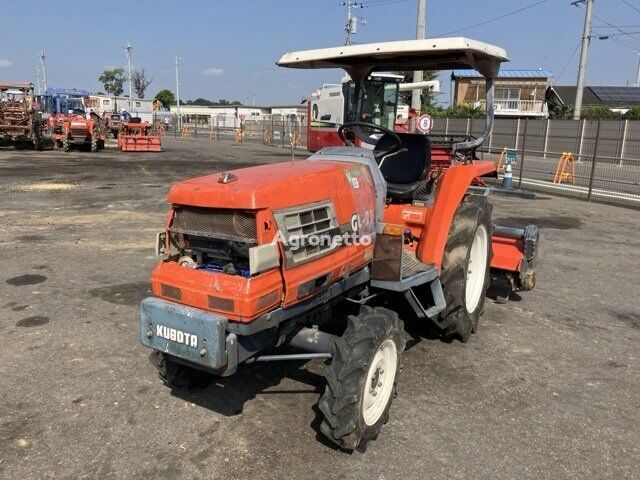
{"x": 593, "y": 163}
{"x": 522, "y": 155}
{"x": 546, "y": 140}
{"x": 490, "y": 140}
{"x": 517, "y": 134}
{"x": 272, "y": 132}
{"x": 624, "y": 142}
{"x": 446, "y": 127}
{"x": 468, "y": 125}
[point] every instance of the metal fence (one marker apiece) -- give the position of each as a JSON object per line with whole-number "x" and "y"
{"x": 606, "y": 154}
{"x": 276, "y": 130}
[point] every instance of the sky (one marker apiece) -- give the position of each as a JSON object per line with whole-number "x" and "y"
{"x": 228, "y": 48}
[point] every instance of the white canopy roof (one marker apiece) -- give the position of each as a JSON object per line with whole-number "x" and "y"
{"x": 427, "y": 54}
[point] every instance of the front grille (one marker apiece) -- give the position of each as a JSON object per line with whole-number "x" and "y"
{"x": 78, "y": 133}
{"x": 309, "y": 230}
{"x": 215, "y": 223}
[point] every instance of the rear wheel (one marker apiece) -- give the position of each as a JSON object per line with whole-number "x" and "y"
{"x": 65, "y": 144}
{"x": 362, "y": 378}
{"x": 466, "y": 267}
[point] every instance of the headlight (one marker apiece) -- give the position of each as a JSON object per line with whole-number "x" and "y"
{"x": 263, "y": 258}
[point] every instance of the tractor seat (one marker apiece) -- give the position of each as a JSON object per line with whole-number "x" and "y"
{"x": 405, "y": 170}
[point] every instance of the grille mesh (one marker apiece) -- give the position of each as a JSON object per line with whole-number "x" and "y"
{"x": 215, "y": 222}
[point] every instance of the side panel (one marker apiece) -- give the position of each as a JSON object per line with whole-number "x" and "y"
{"x": 452, "y": 187}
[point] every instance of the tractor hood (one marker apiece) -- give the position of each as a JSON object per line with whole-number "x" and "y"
{"x": 272, "y": 186}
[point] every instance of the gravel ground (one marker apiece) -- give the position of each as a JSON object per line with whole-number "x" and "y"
{"x": 548, "y": 388}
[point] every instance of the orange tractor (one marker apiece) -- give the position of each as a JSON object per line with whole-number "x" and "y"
{"x": 321, "y": 255}
{"x": 137, "y": 136}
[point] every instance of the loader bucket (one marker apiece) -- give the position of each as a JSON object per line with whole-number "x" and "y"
{"x": 139, "y": 143}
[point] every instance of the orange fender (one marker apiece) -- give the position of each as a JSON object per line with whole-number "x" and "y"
{"x": 452, "y": 187}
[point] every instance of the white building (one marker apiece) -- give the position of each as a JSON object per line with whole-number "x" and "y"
{"x": 231, "y": 115}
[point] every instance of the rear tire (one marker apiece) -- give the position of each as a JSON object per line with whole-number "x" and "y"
{"x": 362, "y": 378}
{"x": 94, "y": 141}
{"x": 466, "y": 267}
{"x": 65, "y": 144}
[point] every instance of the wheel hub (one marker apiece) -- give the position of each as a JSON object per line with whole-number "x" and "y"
{"x": 380, "y": 380}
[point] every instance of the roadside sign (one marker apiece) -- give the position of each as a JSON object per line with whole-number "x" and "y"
{"x": 276, "y": 135}
{"x": 512, "y": 156}
{"x": 425, "y": 123}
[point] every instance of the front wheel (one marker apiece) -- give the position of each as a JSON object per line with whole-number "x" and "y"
{"x": 362, "y": 378}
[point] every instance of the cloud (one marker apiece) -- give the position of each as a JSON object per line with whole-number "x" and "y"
{"x": 4, "y": 63}
{"x": 213, "y": 72}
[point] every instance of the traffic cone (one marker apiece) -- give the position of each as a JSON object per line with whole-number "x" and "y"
{"x": 507, "y": 179}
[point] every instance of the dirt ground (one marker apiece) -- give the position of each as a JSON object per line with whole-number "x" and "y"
{"x": 548, "y": 388}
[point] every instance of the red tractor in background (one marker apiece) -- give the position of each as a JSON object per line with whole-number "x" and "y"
{"x": 321, "y": 255}
{"x": 78, "y": 130}
{"x": 71, "y": 126}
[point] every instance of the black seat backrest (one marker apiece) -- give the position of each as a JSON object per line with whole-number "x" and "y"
{"x": 409, "y": 166}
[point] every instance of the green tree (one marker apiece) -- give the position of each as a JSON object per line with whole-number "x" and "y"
{"x": 166, "y": 97}
{"x": 599, "y": 113}
{"x": 113, "y": 80}
{"x": 633, "y": 114}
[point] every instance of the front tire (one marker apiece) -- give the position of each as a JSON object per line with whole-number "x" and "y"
{"x": 466, "y": 267}
{"x": 362, "y": 378}
{"x": 65, "y": 144}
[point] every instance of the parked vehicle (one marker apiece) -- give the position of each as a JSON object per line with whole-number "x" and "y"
{"x": 20, "y": 120}
{"x": 321, "y": 255}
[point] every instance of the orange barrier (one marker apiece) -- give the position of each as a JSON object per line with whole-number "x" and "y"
{"x": 565, "y": 169}
{"x": 213, "y": 134}
{"x": 186, "y": 132}
{"x": 240, "y": 135}
{"x": 266, "y": 137}
{"x": 295, "y": 139}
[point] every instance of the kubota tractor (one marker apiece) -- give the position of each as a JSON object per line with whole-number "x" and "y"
{"x": 77, "y": 130}
{"x": 320, "y": 255}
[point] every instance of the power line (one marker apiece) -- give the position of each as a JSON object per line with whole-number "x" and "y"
{"x": 573, "y": 54}
{"x": 626, "y": 2}
{"x": 382, "y": 3}
{"x": 495, "y": 19}
{"x": 555, "y": 34}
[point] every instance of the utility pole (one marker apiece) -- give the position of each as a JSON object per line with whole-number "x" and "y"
{"x": 416, "y": 101}
{"x": 178, "y": 94}
{"x": 127, "y": 50}
{"x": 351, "y": 27}
{"x": 638, "y": 77}
{"x": 584, "y": 54}
{"x": 38, "y": 79}
{"x": 42, "y": 58}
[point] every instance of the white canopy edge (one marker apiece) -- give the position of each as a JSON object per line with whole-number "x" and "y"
{"x": 427, "y": 54}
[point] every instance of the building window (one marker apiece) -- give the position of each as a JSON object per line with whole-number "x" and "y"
{"x": 507, "y": 94}
{"x": 137, "y": 104}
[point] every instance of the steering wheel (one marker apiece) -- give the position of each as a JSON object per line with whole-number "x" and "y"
{"x": 355, "y": 127}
